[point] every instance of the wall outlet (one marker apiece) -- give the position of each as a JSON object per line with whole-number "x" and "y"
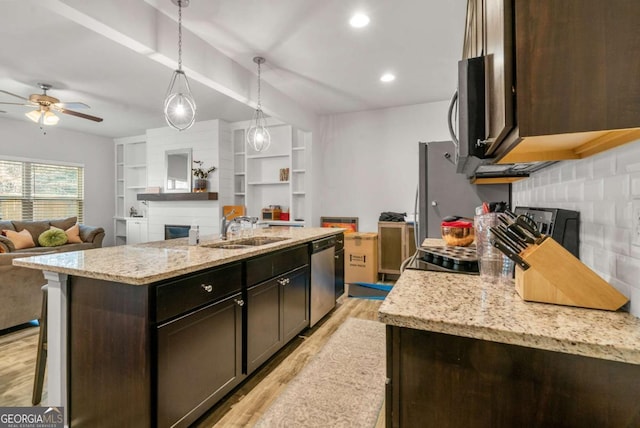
{"x": 635, "y": 222}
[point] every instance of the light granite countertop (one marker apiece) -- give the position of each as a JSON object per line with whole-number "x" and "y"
{"x": 465, "y": 305}
{"x": 155, "y": 261}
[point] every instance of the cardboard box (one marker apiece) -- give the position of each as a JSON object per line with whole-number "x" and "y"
{"x": 361, "y": 257}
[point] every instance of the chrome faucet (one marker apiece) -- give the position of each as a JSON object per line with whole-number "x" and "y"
{"x": 224, "y": 224}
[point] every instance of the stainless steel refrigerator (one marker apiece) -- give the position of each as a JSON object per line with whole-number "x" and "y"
{"x": 443, "y": 192}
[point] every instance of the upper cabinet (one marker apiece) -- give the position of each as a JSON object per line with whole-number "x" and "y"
{"x": 560, "y": 76}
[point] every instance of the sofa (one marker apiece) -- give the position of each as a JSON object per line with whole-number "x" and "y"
{"x": 20, "y": 288}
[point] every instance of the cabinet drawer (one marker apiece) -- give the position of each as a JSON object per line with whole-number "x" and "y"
{"x": 190, "y": 292}
{"x": 264, "y": 267}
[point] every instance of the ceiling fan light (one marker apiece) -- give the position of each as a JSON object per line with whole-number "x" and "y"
{"x": 50, "y": 118}
{"x": 34, "y": 115}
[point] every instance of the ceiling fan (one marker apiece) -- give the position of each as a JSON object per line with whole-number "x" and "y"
{"x": 45, "y": 106}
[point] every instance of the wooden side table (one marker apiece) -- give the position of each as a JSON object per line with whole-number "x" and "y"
{"x": 396, "y": 243}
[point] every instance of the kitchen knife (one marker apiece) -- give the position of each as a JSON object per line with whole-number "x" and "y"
{"x": 509, "y": 252}
{"x": 527, "y": 224}
{"x": 500, "y": 231}
{"x": 515, "y": 237}
{"x": 521, "y": 233}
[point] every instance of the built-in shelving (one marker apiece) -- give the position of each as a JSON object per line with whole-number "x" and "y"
{"x": 257, "y": 175}
{"x": 131, "y": 178}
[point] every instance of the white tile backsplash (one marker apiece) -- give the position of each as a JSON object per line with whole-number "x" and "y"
{"x": 601, "y": 188}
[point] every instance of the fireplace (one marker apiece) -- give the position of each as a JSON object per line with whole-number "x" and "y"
{"x": 172, "y": 231}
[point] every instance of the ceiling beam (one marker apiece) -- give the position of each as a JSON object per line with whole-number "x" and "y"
{"x": 147, "y": 31}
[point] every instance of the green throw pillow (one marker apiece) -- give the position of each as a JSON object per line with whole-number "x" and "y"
{"x": 52, "y": 238}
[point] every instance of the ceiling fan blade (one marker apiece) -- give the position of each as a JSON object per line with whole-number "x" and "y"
{"x": 14, "y": 95}
{"x": 72, "y": 105}
{"x": 82, "y": 115}
{"x": 19, "y": 104}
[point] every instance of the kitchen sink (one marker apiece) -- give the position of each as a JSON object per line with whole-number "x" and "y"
{"x": 239, "y": 244}
{"x": 256, "y": 241}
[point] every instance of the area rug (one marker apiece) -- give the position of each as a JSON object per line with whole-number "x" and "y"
{"x": 342, "y": 386}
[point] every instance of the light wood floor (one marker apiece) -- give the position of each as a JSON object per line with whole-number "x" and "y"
{"x": 241, "y": 408}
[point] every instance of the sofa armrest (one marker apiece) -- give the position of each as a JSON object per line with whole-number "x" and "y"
{"x": 6, "y": 246}
{"x": 91, "y": 234}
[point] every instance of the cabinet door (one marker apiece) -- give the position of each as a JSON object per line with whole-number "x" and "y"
{"x": 295, "y": 302}
{"x": 498, "y": 46}
{"x": 264, "y": 333}
{"x": 136, "y": 231}
{"x": 199, "y": 361}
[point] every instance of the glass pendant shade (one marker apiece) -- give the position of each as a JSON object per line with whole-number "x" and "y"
{"x": 258, "y": 136}
{"x": 179, "y": 106}
{"x": 34, "y": 115}
{"x": 44, "y": 116}
{"x": 49, "y": 118}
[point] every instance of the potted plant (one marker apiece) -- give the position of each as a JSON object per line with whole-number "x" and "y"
{"x": 201, "y": 175}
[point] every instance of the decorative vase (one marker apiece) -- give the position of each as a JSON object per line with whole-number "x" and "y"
{"x": 200, "y": 185}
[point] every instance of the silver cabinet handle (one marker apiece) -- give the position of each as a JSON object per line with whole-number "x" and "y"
{"x": 340, "y": 242}
{"x": 240, "y": 302}
{"x": 336, "y": 257}
{"x": 206, "y": 287}
{"x": 284, "y": 281}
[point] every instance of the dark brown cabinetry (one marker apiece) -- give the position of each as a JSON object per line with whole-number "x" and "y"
{"x": 439, "y": 380}
{"x": 199, "y": 361}
{"x": 561, "y": 82}
{"x": 199, "y": 356}
{"x": 277, "y": 310}
{"x": 162, "y": 354}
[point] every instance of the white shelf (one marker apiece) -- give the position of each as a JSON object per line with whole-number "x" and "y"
{"x": 298, "y": 193}
{"x": 120, "y": 179}
{"x": 137, "y": 165}
{"x": 240, "y": 153}
{"x": 295, "y": 149}
{"x": 119, "y": 196}
{"x": 119, "y": 163}
{"x": 299, "y": 171}
{"x": 265, "y": 183}
{"x": 239, "y": 173}
{"x": 275, "y": 155}
{"x": 238, "y": 194}
{"x": 136, "y": 187}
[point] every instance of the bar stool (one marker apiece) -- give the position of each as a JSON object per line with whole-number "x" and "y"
{"x": 41, "y": 359}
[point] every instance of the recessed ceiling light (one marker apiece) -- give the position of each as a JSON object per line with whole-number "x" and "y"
{"x": 387, "y": 77}
{"x": 359, "y": 20}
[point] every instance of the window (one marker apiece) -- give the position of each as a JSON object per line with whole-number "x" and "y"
{"x": 31, "y": 190}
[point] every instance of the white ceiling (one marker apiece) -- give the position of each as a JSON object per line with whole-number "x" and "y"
{"x": 313, "y": 56}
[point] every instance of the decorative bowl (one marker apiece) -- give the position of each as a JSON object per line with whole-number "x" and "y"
{"x": 458, "y": 236}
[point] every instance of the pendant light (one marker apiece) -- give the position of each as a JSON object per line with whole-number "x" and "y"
{"x": 258, "y": 136}
{"x": 179, "y": 106}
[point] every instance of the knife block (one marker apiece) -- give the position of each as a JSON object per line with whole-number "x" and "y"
{"x": 557, "y": 276}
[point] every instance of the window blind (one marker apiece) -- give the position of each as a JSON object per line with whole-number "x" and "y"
{"x": 40, "y": 191}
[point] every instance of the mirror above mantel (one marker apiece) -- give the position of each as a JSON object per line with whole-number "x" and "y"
{"x": 177, "y": 170}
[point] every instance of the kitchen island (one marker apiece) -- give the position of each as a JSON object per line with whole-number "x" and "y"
{"x": 462, "y": 352}
{"x": 155, "y": 334}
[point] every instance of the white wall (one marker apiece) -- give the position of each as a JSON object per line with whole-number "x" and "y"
{"x": 204, "y": 138}
{"x": 604, "y": 189}
{"x": 369, "y": 160}
{"x": 26, "y": 139}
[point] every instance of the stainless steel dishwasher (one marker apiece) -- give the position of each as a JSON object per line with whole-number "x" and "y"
{"x": 323, "y": 292}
